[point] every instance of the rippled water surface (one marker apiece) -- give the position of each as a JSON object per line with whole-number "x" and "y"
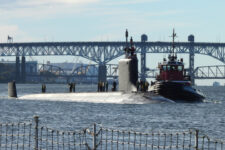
{"x": 208, "y": 116}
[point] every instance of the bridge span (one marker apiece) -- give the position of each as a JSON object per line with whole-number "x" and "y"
{"x": 103, "y": 52}
{"x": 210, "y": 72}
{"x": 87, "y": 72}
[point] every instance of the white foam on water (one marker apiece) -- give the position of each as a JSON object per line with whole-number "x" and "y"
{"x": 98, "y": 97}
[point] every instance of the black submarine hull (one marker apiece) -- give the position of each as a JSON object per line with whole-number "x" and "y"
{"x": 177, "y": 91}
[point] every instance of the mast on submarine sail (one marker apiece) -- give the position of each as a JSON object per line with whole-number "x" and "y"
{"x": 127, "y": 47}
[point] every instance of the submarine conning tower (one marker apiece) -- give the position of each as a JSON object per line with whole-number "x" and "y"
{"x": 128, "y": 68}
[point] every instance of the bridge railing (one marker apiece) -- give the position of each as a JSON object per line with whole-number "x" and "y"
{"x": 33, "y": 135}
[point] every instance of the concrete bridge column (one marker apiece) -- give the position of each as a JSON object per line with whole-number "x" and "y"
{"x": 23, "y": 69}
{"x": 102, "y": 71}
{"x": 144, "y": 38}
{"x": 17, "y": 74}
{"x": 191, "y": 39}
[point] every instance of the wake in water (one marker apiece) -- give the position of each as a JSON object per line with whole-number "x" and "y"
{"x": 100, "y": 97}
{"x": 214, "y": 101}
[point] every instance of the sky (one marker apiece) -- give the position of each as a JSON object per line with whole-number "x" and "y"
{"x": 106, "y": 20}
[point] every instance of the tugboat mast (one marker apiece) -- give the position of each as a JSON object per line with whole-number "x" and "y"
{"x": 174, "y": 35}
{"x": 173, "y": 54}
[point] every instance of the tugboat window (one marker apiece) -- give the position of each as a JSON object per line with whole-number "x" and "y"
{"x": 173, "y": 68}
{"x": 180, "y": 68}
{"x": 164, "y": 68}
{"x": 168, "y": 67}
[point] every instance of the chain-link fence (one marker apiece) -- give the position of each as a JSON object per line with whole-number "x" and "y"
{"x": 33, "y": 135}
{"x": 17, "y": 136}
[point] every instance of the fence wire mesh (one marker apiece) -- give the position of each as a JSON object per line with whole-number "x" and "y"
{"x": 204, "y": 142}
{"x": 16, "y": 136}
{"x": 33, "y": 135}
{"x": 54, "y": 139}
{"x": 116, "y": 139}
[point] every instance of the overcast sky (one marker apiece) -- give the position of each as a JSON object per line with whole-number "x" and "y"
{"x": 106, "y": 20}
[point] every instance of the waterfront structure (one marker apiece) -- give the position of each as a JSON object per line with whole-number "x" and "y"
{"x": 17, "y": 70}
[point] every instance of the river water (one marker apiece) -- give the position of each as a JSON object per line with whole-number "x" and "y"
{"x": 208, "y": 116}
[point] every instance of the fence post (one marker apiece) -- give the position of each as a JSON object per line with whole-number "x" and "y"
{"x": 36, "y": 132}
{"x": 94, "y": 137}
{"x": 196, "y": 139}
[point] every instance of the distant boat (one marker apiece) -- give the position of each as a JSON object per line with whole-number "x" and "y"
{"x": 216, "y": 83}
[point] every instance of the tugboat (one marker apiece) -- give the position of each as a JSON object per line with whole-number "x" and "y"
{"x": 173, "y": 82}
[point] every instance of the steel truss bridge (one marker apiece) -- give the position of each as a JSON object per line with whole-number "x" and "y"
{"x": 82, "y": 73}
{"x": 84, "y": 70}
{"x": 210, "y": 72}
{"x": 103, "y": 52}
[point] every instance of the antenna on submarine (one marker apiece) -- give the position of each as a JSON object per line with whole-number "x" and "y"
{"x": 132, "y": 49}
{"x": 131, "y": 42}
{"x": 127, "y": 47}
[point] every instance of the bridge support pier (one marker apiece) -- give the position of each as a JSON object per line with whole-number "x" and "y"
{"x": 191, "y": 58}
{"x": 17, "y": 74}
{"x": 144, "y": 38}
{"x": 102, "y": 72}
{"x": 23, "y": 69}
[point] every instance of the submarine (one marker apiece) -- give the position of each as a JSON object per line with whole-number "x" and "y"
{"x": 127, "y": 94}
